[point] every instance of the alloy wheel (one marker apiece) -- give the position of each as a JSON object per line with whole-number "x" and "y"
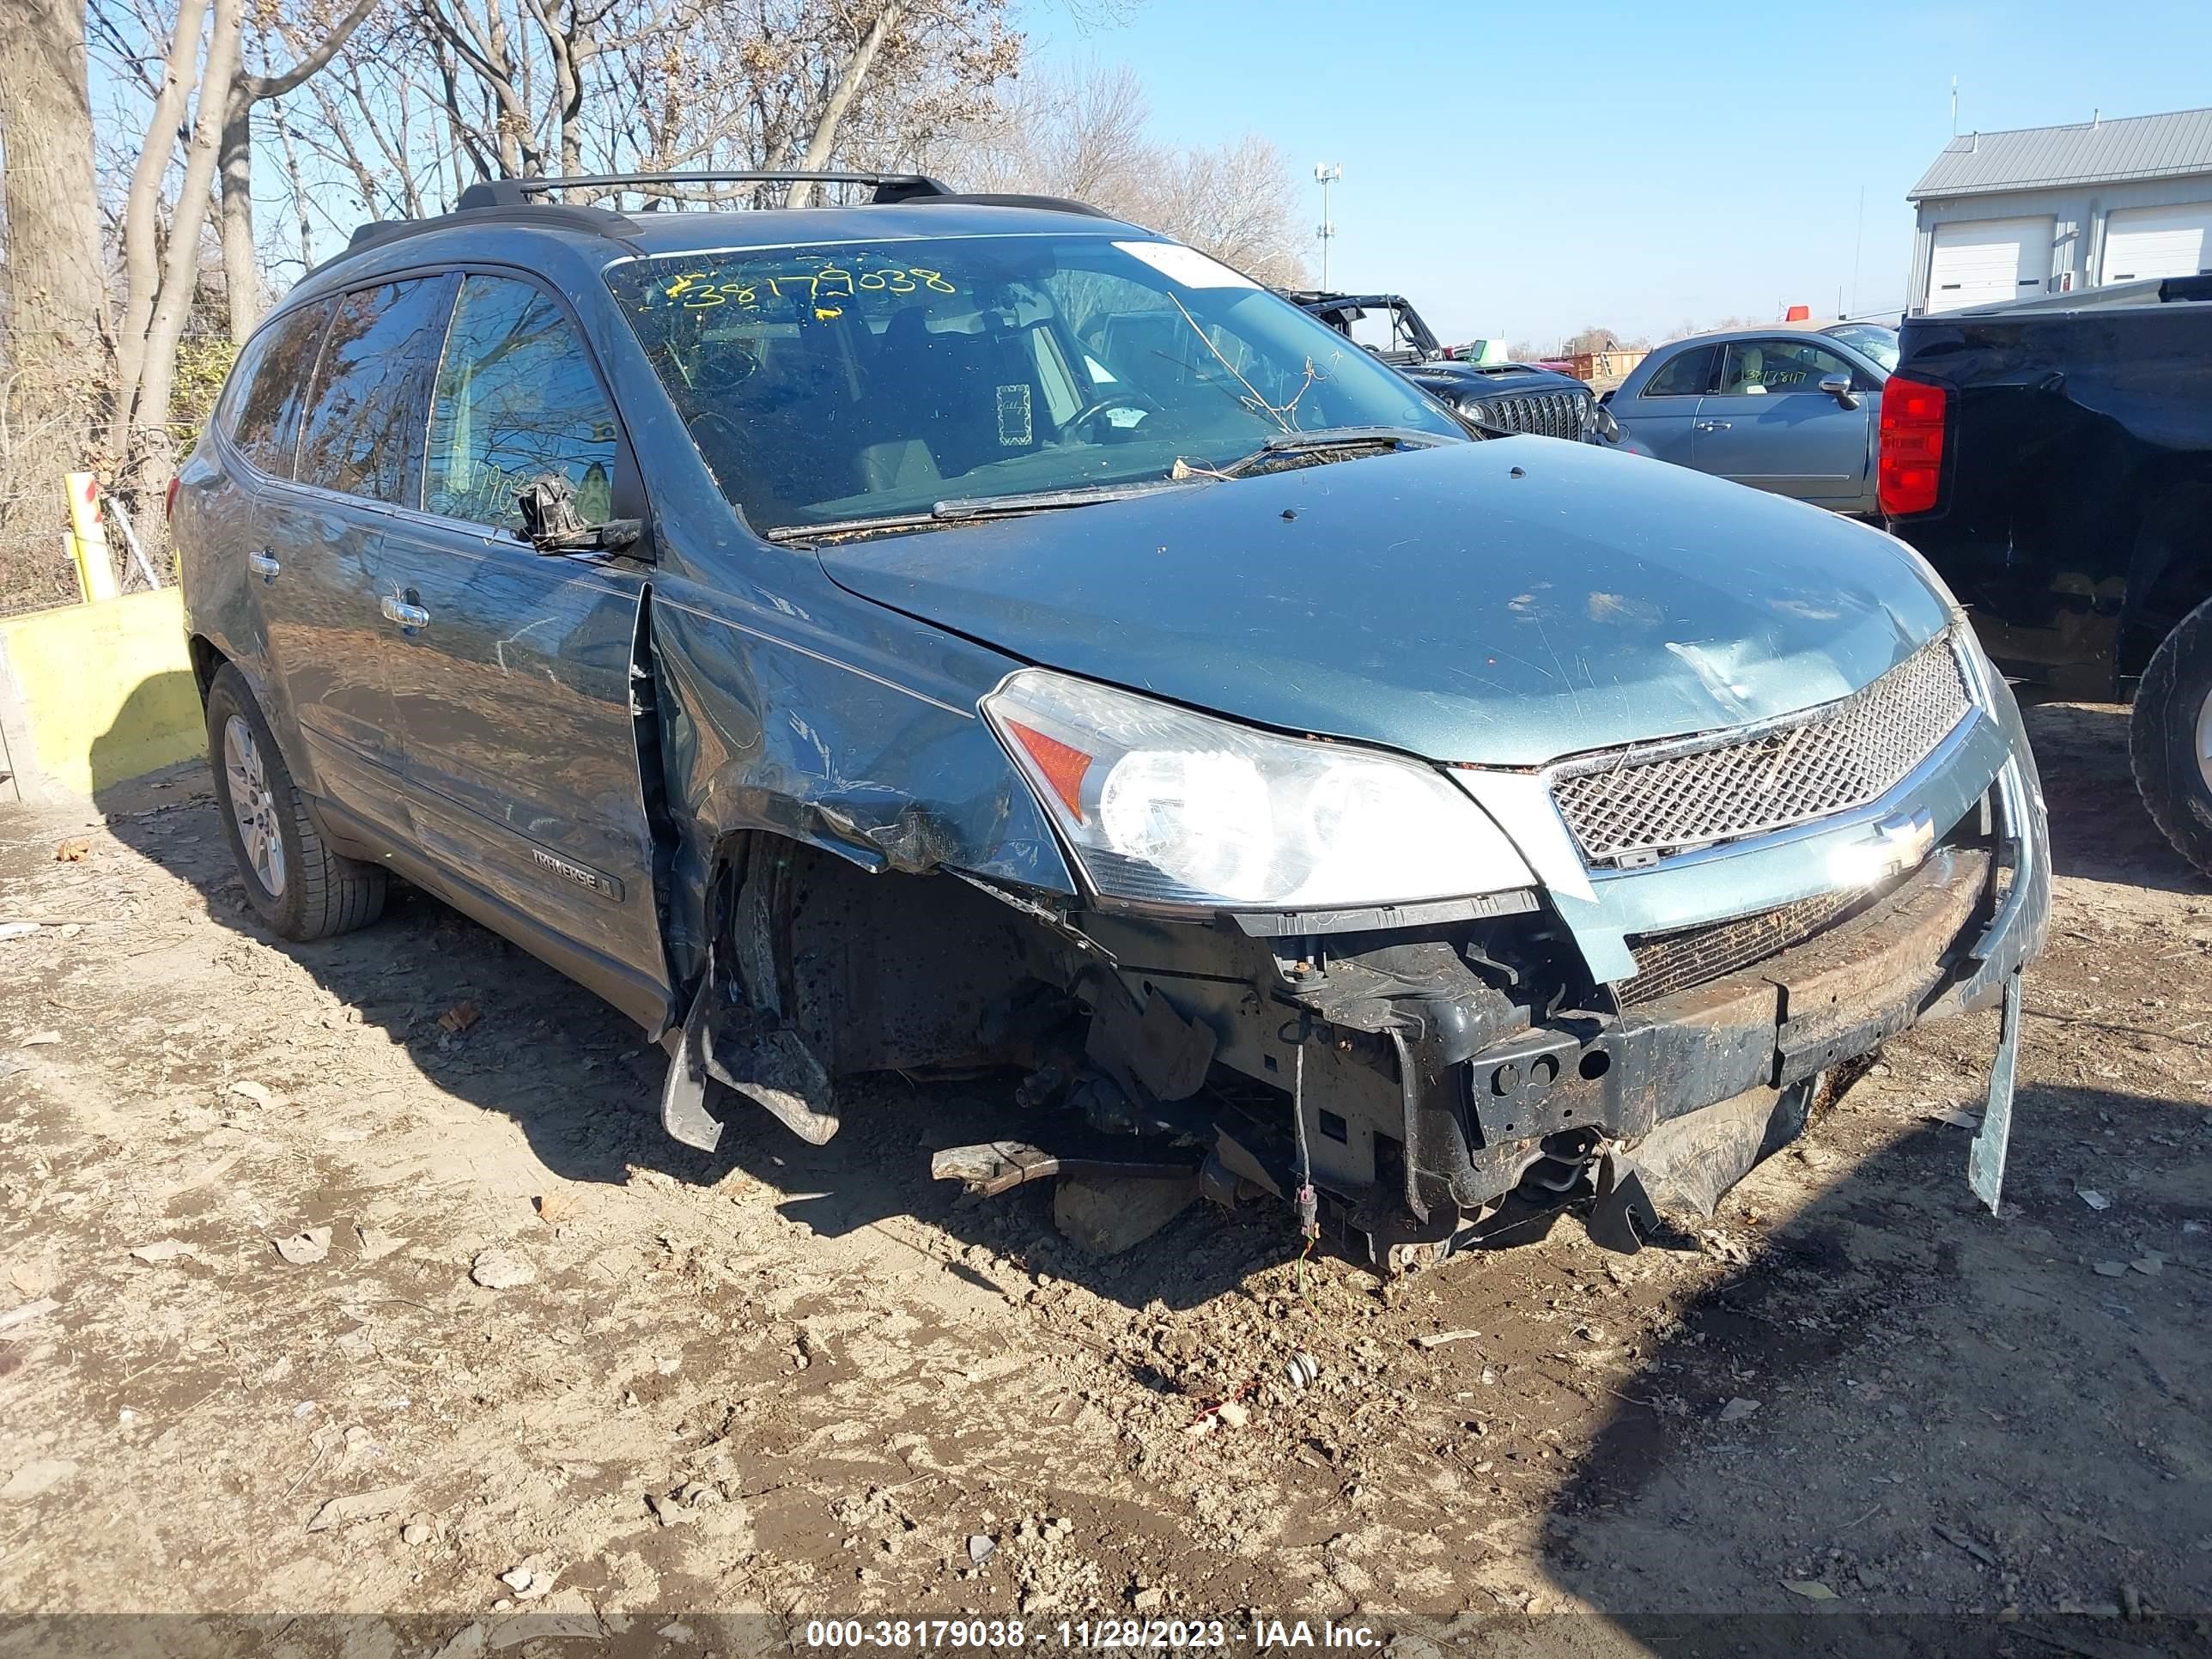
{"x": 252, "y": 805}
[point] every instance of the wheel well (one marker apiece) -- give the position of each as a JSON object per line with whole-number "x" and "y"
{"x": 2169, "y": 576}
{"x": 206, "y": 660}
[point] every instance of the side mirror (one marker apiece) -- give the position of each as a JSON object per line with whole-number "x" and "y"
{"x": 1838, "y": 387}
{"x": 552, "y": 525}
{"x": 1607, "y": 427}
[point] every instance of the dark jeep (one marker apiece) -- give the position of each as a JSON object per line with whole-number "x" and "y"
{"x": 1499, "y": 397}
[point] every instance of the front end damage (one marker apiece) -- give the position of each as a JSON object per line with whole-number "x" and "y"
{"x": 1642, "y": 1032}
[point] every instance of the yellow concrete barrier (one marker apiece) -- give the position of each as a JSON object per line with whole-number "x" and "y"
{"x": 91, "y": 695}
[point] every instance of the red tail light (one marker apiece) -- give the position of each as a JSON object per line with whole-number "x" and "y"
{"x": 169, "y": 506}
{"x": 1910, "y": 475}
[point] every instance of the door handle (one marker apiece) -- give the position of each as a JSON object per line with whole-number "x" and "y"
{"x": 1714, "y": 426}
{"x": 406, "y": 615}
{"x": 264, "y": 561}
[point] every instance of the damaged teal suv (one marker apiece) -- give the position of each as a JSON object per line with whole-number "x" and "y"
{"x": 943, "y": 631}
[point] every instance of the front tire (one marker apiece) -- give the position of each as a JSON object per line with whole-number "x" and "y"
{"x": 2170, "y": 737}
{"x": 297, "y": 886}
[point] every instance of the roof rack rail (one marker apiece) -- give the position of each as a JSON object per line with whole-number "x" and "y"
{"x": 518, "y": 193}
{"x": 1003, "y": 198}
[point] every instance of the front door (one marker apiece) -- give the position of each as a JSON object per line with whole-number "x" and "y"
{"x": 1769, "y": 425}
{"x": 509, "y": 669}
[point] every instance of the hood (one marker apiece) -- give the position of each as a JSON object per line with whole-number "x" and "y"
{"x": 1450, "y": 380}
{"x": 1500, "y": 603}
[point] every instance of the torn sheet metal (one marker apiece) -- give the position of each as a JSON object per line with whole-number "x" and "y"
{"x": 1985, "y": 1159}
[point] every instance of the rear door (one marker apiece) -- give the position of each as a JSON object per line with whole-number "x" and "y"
{"x": 510, "y": 670}
{"x": 1978, "y": 262}
{"x": 359, "y": 451}
{"x": 1769, "y": 425}
{"x": 1661, "y": 416}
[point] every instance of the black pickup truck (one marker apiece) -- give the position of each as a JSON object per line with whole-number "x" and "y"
{"x": 1505, "y": 398}
{"x": 2052, "y": 458}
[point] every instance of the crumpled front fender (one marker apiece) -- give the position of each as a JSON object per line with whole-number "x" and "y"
{"x": 862, "y": 740}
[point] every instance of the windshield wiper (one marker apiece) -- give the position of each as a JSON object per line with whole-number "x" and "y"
{"x": 1341, "y": 437}
{"x": 962, "y": 507}
{"x": 1038, "y": 501}
{"x": 832, "y": 529}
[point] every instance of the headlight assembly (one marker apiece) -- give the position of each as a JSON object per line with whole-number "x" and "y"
{"x": 1167, "y": 807}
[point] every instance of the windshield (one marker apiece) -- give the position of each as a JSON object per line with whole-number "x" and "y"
{"x": 1873, "y": 340}
{"x": 825, "y": 383}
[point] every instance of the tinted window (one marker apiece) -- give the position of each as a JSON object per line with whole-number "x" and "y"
{"x": 363, "y": 434}
{"x": 1765, "y": 367}
{"x": 826, "y": 383}
{"x": 1684, "y": 376}
{"x": 516, "y": 400}
{"x": 270, "y": 385}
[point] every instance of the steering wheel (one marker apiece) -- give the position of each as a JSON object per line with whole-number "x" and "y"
{"x": 1116, "y": 398}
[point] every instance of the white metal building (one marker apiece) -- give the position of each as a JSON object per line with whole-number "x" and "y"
{"x": 2046, "y": 209}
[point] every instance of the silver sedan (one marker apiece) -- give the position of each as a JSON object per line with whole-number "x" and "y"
{"x": 1791, "y": 410}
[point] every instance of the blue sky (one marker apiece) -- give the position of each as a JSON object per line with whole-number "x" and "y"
{"x": 1527, "y": 169}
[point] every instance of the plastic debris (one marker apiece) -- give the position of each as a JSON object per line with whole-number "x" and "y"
{"x": 2094, "y": 1201}
{"x": 501, "y": 1269}
{"x": 1737, "y": 1409}
{"x": 981, "y": 1547}
{"x": 303, "y": 1248}
{"x": 1811, "y": 1589}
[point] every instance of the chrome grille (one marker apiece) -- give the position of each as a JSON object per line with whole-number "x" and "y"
{"x": 1541, "y": 414}
{"x": 1656, "y": 797}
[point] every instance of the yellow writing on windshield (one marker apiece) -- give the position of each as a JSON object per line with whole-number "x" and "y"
{"x": 703, "y": 290}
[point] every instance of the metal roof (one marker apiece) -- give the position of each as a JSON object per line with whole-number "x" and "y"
{"x": 2134, "y": 147}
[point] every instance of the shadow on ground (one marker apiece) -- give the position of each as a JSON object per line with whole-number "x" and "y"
{"x": 1931, "y": 1405}
{"x": 2104, "y": 833}
{"x": 583, "y": 1085}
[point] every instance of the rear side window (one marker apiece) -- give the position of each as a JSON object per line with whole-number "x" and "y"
{"x": 363, "y": 434}
{"x": 269, "y": 387}
{"x": 1686, "y": 376}
{"x": 516, "y": 401}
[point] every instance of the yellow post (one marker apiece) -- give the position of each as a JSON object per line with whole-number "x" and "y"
{"x": 95, "y": 569}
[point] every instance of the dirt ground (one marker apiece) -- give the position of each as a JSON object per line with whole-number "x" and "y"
{"x": 717, "y": 1398}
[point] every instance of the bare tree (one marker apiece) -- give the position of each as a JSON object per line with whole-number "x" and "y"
{"x": 161, "y": 264}
{"x": 241, "y": 274}
{"x": 850, "y": 81}
{"x": 1592, "y": 338}
{"x": 58, "y": 317}
{"x": 1087, "y": 136}
{"x": 432, "y": 95}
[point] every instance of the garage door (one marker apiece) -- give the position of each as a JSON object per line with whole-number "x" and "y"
{"x": 2164, "y": 241}
{"x": 1978, "y": 262}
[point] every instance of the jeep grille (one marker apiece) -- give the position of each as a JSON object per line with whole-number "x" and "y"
{"x": 1541, "y": 414}
{"x": 1653, "y": 799}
